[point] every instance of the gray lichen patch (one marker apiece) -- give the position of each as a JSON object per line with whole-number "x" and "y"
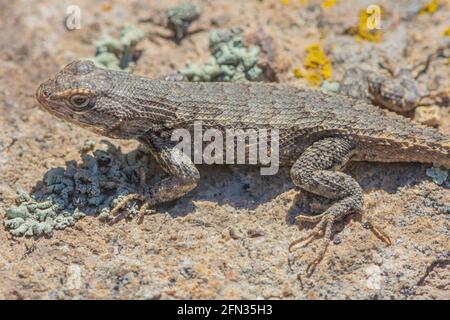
{"x": 121, "y": 53}
{"x": 34, "y": 217}
{"x": 231, "y": 60}
{"x": 438, "y": 175}
{"x": 180, "y": 18}
{"x": 91, "y": 187}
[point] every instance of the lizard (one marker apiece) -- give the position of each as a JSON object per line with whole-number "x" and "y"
{"x": 319, "y": 133}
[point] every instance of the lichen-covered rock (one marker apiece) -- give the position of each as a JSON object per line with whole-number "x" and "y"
{"x": 92, "y": 187}
{"x": 118, "y": 54}
{"x": 35, "y": 218}
{"x": 438, "y": 175}
{"x": 330, "y": 87}
{"x": 180, "y": 18}
{"x": 231, "y": 60}
{"x": 317, "y": 66}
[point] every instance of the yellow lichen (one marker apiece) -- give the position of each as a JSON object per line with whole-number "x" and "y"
{"x": 430, "y": 7}
{"x": 363, "y": 32}
{"x": 317, "y": 66}
{"x": 446, "y": 32}
{"x": 328, "y": 3}
{"x": 106, "y": 6}
{"x": 302, "y": 2}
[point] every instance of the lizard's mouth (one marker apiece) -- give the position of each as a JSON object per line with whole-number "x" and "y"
{"x": 51, "y": 106}
{"x": 43, "y": 96}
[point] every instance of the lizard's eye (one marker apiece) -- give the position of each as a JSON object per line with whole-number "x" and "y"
{"x": 80, "y": 102}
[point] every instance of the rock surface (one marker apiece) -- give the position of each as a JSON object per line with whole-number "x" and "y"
{"x": 229, "y": 237}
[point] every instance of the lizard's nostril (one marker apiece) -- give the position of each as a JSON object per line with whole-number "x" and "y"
{"x": 42, "y": 92}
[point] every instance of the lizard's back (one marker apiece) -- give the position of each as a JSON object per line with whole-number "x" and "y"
{"x": 301, "y": 116}
{"x": 122, "y": 105}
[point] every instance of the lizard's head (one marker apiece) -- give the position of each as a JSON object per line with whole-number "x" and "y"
{"x": 82, "y": 94}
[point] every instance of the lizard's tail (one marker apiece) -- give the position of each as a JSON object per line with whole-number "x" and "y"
{"x": 406, "y": 150}
{"x": 436, "y": 154}
{"x": 402, "y": 140}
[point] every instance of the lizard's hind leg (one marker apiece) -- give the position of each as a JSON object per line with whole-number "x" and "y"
{"x": 314, "y": 172}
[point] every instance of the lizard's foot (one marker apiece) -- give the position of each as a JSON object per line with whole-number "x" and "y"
{"x": 441, "y": 98}
{"x": 314, "y": 171}
{"x": 118, "y": 214}
{"x": 323, "y": 228}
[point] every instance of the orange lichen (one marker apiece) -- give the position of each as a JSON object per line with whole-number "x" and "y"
{"x": 430, "y": 7}
{"x": 317, "y": 66}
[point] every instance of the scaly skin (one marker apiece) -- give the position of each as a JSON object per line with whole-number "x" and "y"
{"x": 399, "y": 92}
{"x": 319, "y": 132}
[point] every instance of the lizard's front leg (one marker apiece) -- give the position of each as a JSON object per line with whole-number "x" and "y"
{"x": 314, "y": 171}
{"x": 182, "y": 174}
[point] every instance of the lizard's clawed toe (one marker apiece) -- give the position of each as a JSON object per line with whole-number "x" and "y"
{"x": 309, "y": 219}
{"x": 142, "y": 211}
{"x": 117, "y": 213}
{"x": 378, "y": 232}
{"x": 323, "y": 228}
{"x": 322, "y": 248}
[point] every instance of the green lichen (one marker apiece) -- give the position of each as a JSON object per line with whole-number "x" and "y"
{"x": 65, "y": 195}
{"x": 231, "y": 61}
{"x": 438, "y": 175}
{"x": 87, "y": 146}
{"x": 33, "y": 217}
{"x": 118, "y": 54}
{"x": 180, "y": 18}
{"x": 329, "y": 87}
